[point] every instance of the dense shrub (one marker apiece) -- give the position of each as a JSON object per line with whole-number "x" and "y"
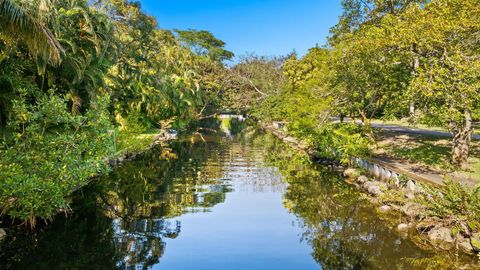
{"x": 342, "y": 141}
{"x": 51, "y": 153}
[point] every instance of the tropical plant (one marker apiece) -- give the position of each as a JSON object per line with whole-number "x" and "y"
{"x": 59, "y": 153}
{"x": 18, "y": 21}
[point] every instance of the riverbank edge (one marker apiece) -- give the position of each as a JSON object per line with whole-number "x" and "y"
{"x": 161, "y": 137}
{"x": 438, "y": 236}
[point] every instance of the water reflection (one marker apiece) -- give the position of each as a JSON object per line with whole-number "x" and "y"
{"x": 120, "y": 220}
{"x": 238, "y": 202}
{"x": 142, "y": 198}
{"x": 344, "y": 230}
{"x": 141, "y": 241}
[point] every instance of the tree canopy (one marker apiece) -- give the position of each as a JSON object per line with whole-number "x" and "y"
{"x": 385, "y": 59}
{"x": 75, "y": 73}
{"x": 204, "y": 43}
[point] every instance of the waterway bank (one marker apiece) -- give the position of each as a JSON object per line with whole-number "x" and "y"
{"x": 237, "y": 201}
{"x": 132, "y": 147}
{"x": 393, "y": 188}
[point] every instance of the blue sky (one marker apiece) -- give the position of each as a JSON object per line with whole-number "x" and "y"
{"x": 266, "y": 27}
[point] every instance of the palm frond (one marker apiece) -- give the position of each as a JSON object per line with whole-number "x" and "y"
{"x": 17, "y": 22}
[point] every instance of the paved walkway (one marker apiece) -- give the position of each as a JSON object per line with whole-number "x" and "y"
{"x": 420, "y": 131}
{"x": 409, "y": 130}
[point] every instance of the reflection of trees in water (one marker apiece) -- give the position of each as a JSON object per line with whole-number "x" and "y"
{"x": 122, "y": 219}
{"x": 83, "y": 241}
{"x": 231, "y": 126}
{"x": 246, "y": 167}
{"x": 141, "y": 241}
{"x": 242, "y": 163}
{"x": 340, "y": 237}
{"x": 145, "y": 193}
{"x": 261, "y": 180}
{"x": 151, "y": 186}
{"x": 342, "y": 229}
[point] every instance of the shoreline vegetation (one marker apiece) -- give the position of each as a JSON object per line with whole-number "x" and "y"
{"x": 84, "y": 81}
{"x": 445, "y": 216}
{"x": 127, "y": 147}
{"x": 81, "y": 82}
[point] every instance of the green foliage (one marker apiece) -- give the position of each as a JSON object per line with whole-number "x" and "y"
{"x": 133, "y": 123}
{"x": 18, "y": 19}
{"x": 300, "y": 95}
{"x": 456, "y": 201}
{"x": 133, "y": 142}
{"x": 342, "y": 141}
{"x": 306, "y": 72}
{"x": 52, "y": 154}
{"x": 384, "y": 56}
{"x": 204, "y": 43}
{"x": 108, "y": 74}
{"x": 252, "y": 82}
{"x": 387, "y": 59}
{"x": 294, "y": 93}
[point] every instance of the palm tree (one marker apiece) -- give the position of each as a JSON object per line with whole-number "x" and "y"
{"x": 17, "y": 22}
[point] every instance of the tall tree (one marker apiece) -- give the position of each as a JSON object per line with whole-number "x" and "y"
{"x": 361, "y": 12}
{"x": 204, "y": 43}
{"x": 447, "y": 82}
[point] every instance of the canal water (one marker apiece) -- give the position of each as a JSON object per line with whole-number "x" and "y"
{"x": 234, "y": 200}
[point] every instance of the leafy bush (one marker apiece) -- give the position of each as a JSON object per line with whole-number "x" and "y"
{"x": 51, "y": 154}
{"x": 134, "y": 122}
{"x": 455, "y": 201}
{"x": 342, "y": 141}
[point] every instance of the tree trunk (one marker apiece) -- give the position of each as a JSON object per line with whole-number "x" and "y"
{"x": 462, "y": 137}
{"x": 363, "y": 117}
{"x": 412, "y": 109}
{"x": 415, "y": 66}
{"x": 366, "y": 122}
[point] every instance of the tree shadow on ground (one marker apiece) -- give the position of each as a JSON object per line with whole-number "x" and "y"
{"x": 425, "y": 152}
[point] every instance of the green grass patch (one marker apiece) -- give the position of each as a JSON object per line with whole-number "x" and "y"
{"x": 474, "y": 168}
{"x": 425, "y": 152}
{"x": 432, "y": 152}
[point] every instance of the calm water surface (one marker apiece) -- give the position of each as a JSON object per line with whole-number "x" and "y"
{"x": 229, "y": 202}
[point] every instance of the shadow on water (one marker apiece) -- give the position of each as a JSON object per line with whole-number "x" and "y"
{"x": 125, "y": 220}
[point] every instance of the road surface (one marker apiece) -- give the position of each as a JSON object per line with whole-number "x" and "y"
{"x": 408, "y": 130}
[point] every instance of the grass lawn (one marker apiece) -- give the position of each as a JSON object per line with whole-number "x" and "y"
{"x": 428, "y": 151}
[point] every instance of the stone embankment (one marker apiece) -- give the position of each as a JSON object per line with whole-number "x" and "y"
{"x": 378, "y": 178}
